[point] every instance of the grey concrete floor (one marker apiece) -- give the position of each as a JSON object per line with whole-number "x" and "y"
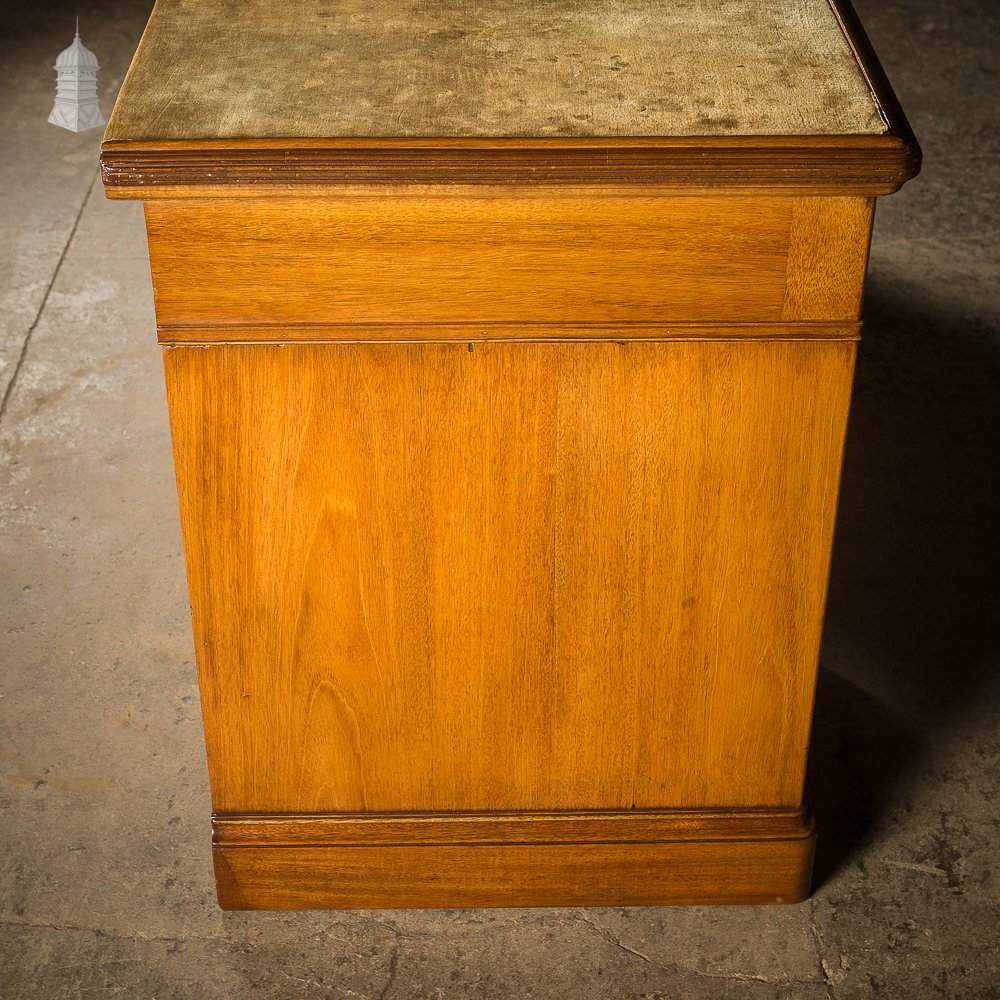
{"x": 105, "y": 877}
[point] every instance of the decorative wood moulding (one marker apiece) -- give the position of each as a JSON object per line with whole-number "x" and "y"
{"x": 479, "y": 333}
{"x": 514, "y": 859}
{"x": 589, "y": 826}
{"x": 863, "y": 164}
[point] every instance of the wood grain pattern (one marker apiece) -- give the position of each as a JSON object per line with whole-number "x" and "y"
{"x": 547, "y": 576}
{"x": 463, "y": 875}
{"x": 564, "y": 267}
{"x": 827, "y": 257}
{"x": 399, "y": 260}
{"x": 432, "y": 262}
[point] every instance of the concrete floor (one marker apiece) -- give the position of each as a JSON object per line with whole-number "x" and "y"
{"x": 105, "y": 876}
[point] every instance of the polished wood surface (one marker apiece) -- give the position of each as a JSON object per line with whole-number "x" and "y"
{"x": 424, "y": 577}
{"x": 761, "y": 870}
{"x": 827, "y": 258}
{"x": 503, "y": 260}
{"x": 479, "y": 260}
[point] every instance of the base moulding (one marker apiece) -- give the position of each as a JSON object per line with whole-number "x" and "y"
{"x": 400, "y": 860}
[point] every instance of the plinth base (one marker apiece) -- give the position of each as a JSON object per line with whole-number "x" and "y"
{"x": 636, "y": 858}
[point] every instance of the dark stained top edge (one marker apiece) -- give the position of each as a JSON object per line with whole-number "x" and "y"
{"x": 878, "y": 81}
{"x": 856, "y": 164}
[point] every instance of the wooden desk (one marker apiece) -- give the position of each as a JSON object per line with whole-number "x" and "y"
{"x": 509, "y": 352}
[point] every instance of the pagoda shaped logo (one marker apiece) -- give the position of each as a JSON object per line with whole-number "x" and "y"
{"x": 76, "y": 88}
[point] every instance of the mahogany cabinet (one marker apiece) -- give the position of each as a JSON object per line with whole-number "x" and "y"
{"x": 508, "y": 353}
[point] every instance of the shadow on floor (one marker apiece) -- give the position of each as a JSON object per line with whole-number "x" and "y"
{"x": 912, "y": 620}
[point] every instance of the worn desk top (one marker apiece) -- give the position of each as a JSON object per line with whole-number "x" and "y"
{"x": 311, "y": 69}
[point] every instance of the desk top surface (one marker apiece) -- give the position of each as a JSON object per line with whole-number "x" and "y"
{"x": 309, "y": 69}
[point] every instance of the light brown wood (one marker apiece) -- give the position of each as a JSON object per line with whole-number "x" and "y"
{"x": 436, "y": 261}
{"x": 827, "y": 257}
{"x": 424, "y": 578}
{"x": 390, "y": 261}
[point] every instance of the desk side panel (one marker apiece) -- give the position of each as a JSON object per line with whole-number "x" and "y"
{"x": 526, "y": 576}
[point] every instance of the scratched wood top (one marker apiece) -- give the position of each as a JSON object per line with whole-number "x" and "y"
{"x": 311, "y": 69}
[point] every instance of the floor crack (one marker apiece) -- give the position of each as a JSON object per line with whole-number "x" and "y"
{"x": 818, "y": 939}
{"x": 102, "y": 932}
{"x": 393, "y": 966}
{"x": 19, "y": 364}
{"x": 401, "y": 936}
{"x": 611, "y": 939}
{"x": 675, "y": 969}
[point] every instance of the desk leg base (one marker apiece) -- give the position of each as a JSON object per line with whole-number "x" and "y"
{"x": 668, "y": 857}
